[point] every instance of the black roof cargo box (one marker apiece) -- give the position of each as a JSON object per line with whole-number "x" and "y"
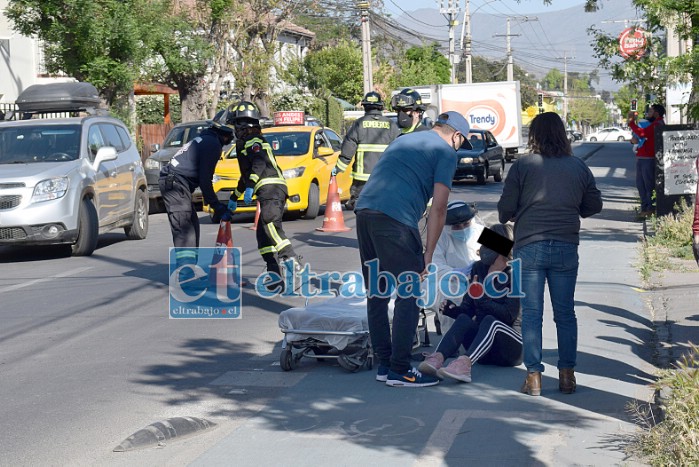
{"x": 58, "y": 97}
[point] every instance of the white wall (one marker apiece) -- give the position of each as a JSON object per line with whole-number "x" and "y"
{"x": 19, "y": 61}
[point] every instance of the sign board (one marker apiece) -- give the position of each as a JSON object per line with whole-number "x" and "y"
{"x": 294, "y": 117}
{"x": 680, "y": 152}
{"x": 632, "y": 42}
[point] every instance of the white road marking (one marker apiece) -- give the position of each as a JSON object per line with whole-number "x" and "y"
{"x": 442, "y": 438}
{"x": 72, "y": 272}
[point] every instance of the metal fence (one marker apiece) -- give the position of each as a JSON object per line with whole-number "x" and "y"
{"x": 11, "y": 112}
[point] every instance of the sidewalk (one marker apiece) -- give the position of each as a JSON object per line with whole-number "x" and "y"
{"x": 326, "y": 416}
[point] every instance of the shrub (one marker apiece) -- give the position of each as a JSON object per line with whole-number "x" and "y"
{"x": 675, "y": 439}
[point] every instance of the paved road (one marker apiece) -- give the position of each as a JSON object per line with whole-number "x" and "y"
{"x": 88, "y": 357}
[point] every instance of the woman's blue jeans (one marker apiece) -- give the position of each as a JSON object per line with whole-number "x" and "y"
{"x": 555, "y": 263}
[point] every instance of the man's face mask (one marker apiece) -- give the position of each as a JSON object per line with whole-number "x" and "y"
{"x": 457, "y": 141}
{"x": 405, "y": 120}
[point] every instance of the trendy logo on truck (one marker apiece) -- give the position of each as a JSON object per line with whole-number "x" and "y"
{"x": 486, "y": 116}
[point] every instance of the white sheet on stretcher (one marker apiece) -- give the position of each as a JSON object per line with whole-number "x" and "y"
{"x": 335, "y": 314}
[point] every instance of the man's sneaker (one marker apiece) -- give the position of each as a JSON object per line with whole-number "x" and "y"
{"x": 412, "y": 379}
{"x": 431, "y": 364}
{"x": 459, "y": 369}
{"x": 382, "y": 373}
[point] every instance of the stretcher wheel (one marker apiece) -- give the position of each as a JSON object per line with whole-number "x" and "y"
{"x": 348, "y": 363}
{"x": 287, "y": 360}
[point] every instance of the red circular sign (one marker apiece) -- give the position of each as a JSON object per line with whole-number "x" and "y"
{"x": 632, "y": 42}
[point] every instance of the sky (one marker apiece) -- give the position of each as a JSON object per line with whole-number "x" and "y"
{"x": 500, "y": 7}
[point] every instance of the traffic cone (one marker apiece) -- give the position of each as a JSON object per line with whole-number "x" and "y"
{"x": 333, "y": 221}
{"x": 257, "y": 217}
{"x": 223, "y": 257}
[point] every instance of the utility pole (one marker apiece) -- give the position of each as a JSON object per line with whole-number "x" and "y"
{"x": 510, "y": 59}
{"x": 366, "y": 46}
{"x": 467, "y": 47}
{"x": 565, "y": 59}
{"x": 451, "y": 10}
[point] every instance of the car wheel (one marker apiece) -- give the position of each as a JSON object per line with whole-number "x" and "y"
{"x": 621, "y": 138}
{"x": 88, "y": 229}
{"x": 592, "y": 138}
{"x": 482, "y": 176}
{"x": 497, "y": 176}
{"x": 139, "y": 229}
{"x": 313, "y": 208}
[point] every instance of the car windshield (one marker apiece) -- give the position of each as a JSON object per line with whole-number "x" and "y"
{"x": 181, "y": 135}
{"x": 39, "y": 143}
{"x": 476, "y": 140}
{"x": 289, "y": 143}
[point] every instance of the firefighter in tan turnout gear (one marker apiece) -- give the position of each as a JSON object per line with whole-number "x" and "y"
{"x": 261, "y": 176}
{"x": 365, "y": 141}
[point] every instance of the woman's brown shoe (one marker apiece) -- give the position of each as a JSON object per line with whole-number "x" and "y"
{"x": 532, "y": 385}
{"x": 566, "y": 380}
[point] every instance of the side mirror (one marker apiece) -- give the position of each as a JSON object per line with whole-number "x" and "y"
{"x": 154, "y": 147}
{"x": 325, "y": 152}
{"x": 104, "y": 154}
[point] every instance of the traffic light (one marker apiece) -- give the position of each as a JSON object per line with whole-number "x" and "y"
{"x": 634, "y": 105}
{"x": 540, "y": 99}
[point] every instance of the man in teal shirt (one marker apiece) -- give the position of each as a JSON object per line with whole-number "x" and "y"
{"x": 413, "y": 169}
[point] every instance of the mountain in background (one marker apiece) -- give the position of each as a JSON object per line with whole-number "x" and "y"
{"x": 541, "y": 44}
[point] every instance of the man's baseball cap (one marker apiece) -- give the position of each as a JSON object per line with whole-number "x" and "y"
{"x": 457, "y": 122}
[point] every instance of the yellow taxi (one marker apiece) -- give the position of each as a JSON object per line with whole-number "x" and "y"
{"x": 306, "y": 153}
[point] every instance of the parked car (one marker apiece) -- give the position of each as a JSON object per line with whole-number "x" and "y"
{"x": 177, "y": 137}
{"x": 485, "y": 159}
{"x": 65, "y": 180}
{"x": 574, "y": 135}
{"x": 610, "y": 134}
{"x": 306, "y": 154}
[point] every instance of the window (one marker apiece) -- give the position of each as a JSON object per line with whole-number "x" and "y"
{"x": 125, "y": 138}
{"x": 111, "y": 136}
{"x": 94, "y": 141}
{"x": 335, "y": 140}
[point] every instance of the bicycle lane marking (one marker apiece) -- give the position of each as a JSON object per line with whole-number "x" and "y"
{"x": 442, "y": 438}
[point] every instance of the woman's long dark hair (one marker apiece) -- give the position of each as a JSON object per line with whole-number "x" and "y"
{"x": 547, "y": 136}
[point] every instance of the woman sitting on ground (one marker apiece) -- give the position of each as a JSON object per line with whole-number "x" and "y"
{"x": 488, "y": 328}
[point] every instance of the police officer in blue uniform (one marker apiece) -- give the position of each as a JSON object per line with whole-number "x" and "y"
{"x": 191, "y": 167}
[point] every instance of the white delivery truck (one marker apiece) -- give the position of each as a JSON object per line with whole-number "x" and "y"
{"x": 495, "y": 107}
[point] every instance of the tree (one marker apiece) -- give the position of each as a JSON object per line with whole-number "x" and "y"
{"x": 98, "y": 41}
{"x": 553, "y": 81}
{"x": 654, "y": 70}
{"x": 336, "y": 69}
{"x": 425, "y": 65}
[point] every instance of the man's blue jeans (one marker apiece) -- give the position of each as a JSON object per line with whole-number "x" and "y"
{"x": 555, "y": 263}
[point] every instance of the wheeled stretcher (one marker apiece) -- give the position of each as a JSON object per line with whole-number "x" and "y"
{"x": 335, "y": 328}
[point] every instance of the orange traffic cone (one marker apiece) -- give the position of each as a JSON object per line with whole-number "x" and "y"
{"x": 223, "y": 258}
{"x": 333, "y": 221}
{"x": 257, "y": 217}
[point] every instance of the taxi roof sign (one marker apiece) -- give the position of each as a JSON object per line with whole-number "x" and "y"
{"x": 293, "y": 117}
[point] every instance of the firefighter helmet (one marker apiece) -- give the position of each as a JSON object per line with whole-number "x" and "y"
{"x": 407, "y": 99}
{"x": 243, "y": 113}
{"x": 372, "y": 100}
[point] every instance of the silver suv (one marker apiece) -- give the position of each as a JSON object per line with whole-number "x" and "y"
{"x": 64, "y": 181}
